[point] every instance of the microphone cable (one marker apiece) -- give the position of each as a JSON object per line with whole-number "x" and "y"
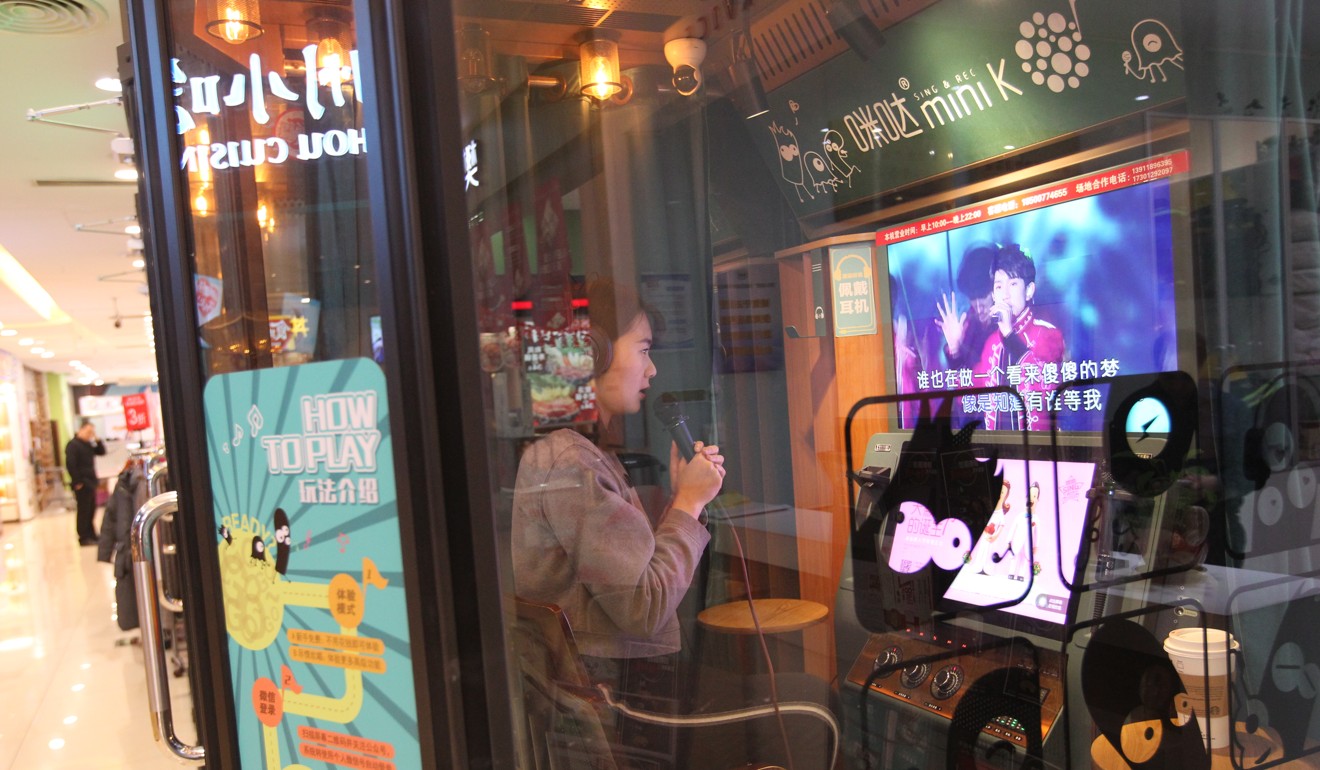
{"x": 669, "y": 412}
{"x": 760, "y": 633}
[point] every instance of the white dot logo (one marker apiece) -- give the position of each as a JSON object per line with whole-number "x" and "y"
{"x": 1052, "y": 51}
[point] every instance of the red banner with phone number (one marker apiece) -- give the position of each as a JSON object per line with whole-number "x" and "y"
{"x": 1147, "y": 170}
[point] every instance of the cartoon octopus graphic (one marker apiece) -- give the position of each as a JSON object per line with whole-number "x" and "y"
{"x": 1153, "y": 47}
{"x": 837, "y": 155}
{"x": 791, "y": 166}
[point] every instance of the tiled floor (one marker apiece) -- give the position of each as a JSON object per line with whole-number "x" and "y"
{"x": 73, "y": 690}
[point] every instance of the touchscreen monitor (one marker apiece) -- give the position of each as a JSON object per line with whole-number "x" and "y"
{"x": 1019, "y": 555}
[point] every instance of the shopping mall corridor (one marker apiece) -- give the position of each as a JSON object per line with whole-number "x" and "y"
{"x": 72, "y": 688}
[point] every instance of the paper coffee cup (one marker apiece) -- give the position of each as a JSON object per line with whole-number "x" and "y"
{"x": 1203, "y": 662}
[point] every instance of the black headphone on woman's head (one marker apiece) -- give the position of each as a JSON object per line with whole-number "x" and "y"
{"x": 601, "y": 349}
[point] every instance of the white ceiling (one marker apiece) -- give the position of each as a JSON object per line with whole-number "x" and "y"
{"x": 38, "y": 223}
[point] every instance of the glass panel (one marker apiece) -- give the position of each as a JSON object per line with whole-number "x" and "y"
{"x": 1001, "y": 316}
{"x": 269, "y": 101}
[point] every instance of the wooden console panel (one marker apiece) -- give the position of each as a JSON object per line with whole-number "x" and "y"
{"x": 934, "y": 675}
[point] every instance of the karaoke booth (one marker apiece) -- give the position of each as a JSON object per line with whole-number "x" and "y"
{"x": 1004, "y": 316}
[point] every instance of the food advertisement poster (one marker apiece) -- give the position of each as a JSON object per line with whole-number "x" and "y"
{"x": 558, "y": 365}
{"x": 311, "y": 569}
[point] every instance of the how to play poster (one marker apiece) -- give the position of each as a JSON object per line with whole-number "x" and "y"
{"x": 311, "y": 569}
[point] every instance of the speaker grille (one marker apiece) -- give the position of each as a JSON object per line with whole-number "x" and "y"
{"x": 50, "y": 17}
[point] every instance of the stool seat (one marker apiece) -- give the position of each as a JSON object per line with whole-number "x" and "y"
{"x": 777, "y": 616}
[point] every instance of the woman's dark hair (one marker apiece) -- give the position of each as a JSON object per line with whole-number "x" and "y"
{"x": 611, "y": 307}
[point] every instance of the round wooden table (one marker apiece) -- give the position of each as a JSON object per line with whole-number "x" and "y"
{"x": 777, "y": 616}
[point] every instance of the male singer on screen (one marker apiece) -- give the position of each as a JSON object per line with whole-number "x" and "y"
{"x": 581, "y": 538}
{"x": 1020, "y": 342}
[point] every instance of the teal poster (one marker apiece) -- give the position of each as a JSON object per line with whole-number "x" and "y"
{"x": 853, "y": 285}
{"x": 311, "y": 570}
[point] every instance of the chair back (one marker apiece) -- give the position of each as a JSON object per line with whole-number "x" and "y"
{"x": 560, "y": 711}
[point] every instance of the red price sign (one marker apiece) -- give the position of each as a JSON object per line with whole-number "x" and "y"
{"x": 136, "y": 414}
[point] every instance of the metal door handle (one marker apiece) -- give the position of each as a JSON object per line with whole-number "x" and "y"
{"x": 167, "y": 600}
{"x": 153, "y": 648}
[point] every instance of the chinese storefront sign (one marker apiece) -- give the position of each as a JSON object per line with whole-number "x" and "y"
{"x": 961, "y": 82}
{"x": 311, "y": 567}
{"x": 1150, "y": 170}
{"x": 853, "y": 282}
{"x": 255, "y": 91}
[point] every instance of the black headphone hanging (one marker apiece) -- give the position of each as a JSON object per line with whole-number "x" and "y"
{"x": 602, "y": 351}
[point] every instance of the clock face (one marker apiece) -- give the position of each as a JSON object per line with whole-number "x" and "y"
{"x": 1148, "y": 425}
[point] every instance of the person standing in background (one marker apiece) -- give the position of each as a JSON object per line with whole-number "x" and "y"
{"x": 80, "y": 461}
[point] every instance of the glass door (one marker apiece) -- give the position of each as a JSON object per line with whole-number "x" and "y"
{"x": 266, "y": 130}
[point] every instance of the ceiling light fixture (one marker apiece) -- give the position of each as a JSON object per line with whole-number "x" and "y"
{"x": 474, "y": 56}
{"x": 21, "y": 282}
{"x": 329, "y": 29}
{"x": 235, "y": 21}
{"x": 202, "y": 203}
{"x": 598, "y": 64}
{"x": 126, "y": 174}
{"x": 110, "y": 84}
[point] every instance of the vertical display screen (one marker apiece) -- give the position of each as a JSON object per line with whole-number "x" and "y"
{"x": 1016, "y": 550}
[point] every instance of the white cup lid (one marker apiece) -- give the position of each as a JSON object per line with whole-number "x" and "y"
{"x": 1197, "y": 641}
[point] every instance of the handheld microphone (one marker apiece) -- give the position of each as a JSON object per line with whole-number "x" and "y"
{"x": 668, "y": 412}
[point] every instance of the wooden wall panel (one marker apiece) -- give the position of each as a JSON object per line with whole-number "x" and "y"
{"x": 826, "y": 376}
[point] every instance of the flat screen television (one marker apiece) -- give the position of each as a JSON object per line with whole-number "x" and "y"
{"x": 1100, "y": 304}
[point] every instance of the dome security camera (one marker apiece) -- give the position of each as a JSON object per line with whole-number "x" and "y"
{"x": 685, "y": 55}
